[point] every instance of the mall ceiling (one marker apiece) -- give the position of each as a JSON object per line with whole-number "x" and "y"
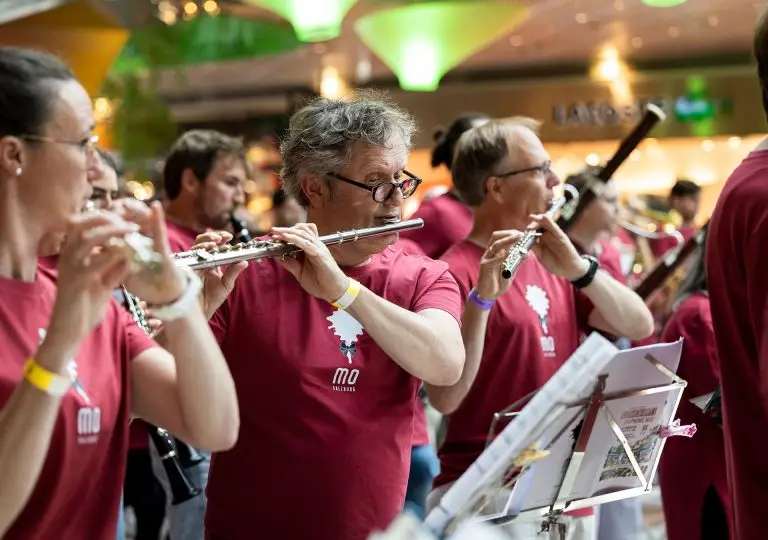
{"x": 557, "y": 33}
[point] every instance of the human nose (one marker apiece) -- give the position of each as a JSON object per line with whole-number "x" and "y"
{"x": 239, "y": 197}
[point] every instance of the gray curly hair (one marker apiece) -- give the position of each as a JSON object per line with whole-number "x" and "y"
{"x": 321, "y": 134}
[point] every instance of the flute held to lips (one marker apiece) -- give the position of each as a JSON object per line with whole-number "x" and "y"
{"x": 140, "y": 248}
{"x": 519, "y": 251}
{"x": 197, "y": 259}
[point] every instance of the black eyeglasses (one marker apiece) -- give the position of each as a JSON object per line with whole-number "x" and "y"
{"x": 381, "y": 191}
{"x": 544, "y": 170}
{"x": 87, "y": 144}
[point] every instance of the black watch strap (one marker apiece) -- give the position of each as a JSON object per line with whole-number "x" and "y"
{"x": 588, "y": 278}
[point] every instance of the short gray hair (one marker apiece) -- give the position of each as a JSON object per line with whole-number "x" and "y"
{"x": 321, "y": 134}
{"x": 480, "y": 151}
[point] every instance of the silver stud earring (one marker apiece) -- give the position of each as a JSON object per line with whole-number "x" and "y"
{"x": 18, "y": 171}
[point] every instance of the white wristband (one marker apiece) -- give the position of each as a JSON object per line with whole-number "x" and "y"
{"x": 177, "y": 309}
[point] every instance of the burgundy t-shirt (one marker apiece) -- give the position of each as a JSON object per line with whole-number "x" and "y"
{"x": 660, "y": 246}
{"x": 180, "y": 237}
{"x": 532, "y": 330}
{"x": 609, "y": 257}
{"x": 420, "y": 426}
{"x": 447, "y": 220}
{"x": 689, "y": 467}
{"x": 737, "y": 274}
{"x": 78, "y": 492}
{"x": 326, "y": 416}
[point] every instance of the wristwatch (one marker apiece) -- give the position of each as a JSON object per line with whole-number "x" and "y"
{"x": 586, "y": 279}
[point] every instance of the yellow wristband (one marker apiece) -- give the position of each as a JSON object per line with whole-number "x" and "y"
{"x": 47, "y": 381}
{"x": 353, "y": 289}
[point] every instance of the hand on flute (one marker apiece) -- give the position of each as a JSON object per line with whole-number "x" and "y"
{"x": 315, "y": 268}
{"x": 555, "y": 250}
{"x": 219, "y": 281}
{"x": 490, "y": 284}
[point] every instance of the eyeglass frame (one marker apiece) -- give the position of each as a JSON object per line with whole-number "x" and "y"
{"x": 86, "y": 144}
{"x": 373, "y": 187}
{"x": 545, "y": 168}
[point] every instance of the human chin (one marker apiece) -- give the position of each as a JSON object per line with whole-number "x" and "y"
{"x": 378, "y": 244}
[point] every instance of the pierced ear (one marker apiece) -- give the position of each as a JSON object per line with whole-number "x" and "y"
{"x": 314, "y": 188}
{"x": 190, "y": 182}
{"x": 12, "y": 155}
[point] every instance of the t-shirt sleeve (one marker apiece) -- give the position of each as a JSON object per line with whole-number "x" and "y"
{"x": 136, "y": 341}
{"x": 437, "y": 289}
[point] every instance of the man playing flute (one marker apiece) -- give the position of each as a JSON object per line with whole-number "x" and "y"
{"x": 517, "y": 332}
{"x": 327, "y": 350}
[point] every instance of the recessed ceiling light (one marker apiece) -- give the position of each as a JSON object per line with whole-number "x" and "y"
{"x": 663, "y": 3}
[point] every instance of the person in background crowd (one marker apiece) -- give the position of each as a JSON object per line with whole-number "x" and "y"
{"x": 446, "y": 218}
{"x": 592, "y": 231}
{"x": 350, "y": 330}
{"x": 694, "y": 486}
{"x": 737, "y": 276}
{"x": 203, "y": 178}
{"x": 517, "y": 332}
{"x": 106, "y": 188}
{"x": 286, "y": 211}
{"x": 75, "y": 366}
{"x": 684, "y": 198}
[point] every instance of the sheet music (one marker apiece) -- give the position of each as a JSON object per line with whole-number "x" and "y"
{"x": 605, "y": 466}
{"x": 565, "y": 385}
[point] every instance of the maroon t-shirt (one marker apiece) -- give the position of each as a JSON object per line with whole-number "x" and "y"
{"x": 660, "y": 246}
{"x": 420, "y": 426}
{"x": 690, "y": 466}
{"x": 447, "y": 220}
{"x": 326, "y": 416}
{"x": 78, "y": 492}
{"x": 532, "y": 330}
{"x": 737, "y": 274}
{"x": 180, "y": 237}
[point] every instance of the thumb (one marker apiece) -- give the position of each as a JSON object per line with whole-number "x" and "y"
{"x": 292, "y": 265}
{"x": 230, "y": 275}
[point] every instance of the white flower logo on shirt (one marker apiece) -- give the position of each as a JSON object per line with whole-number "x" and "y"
{"x": 537, "y": 299}
{"x": 347, "y": 328}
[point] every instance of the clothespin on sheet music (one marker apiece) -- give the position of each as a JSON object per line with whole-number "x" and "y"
{"x": 529, "y": 455}
{"x": 676, "y": 430}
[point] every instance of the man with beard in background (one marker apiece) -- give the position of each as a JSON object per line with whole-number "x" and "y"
{"x": 203, "y": 179}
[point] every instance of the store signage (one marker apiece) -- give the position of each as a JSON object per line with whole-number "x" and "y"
{"x": 604, "y": 113}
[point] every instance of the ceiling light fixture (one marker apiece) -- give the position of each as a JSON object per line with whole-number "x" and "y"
{"x": 663, "y": 3}
{"x": 312, "y": 20}
{"x": 423, "y": 41}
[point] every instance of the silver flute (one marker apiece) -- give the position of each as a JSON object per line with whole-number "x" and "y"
{"x": 198, "y": 259}
{"x": 520, "y": 250}
{"x": 140, "y": 248}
